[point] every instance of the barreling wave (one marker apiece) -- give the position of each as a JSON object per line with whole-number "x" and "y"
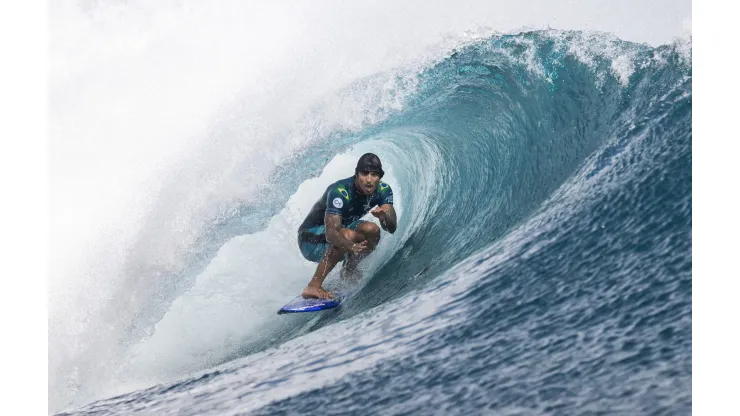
{"x": 549, "y": 170}
{"x": 499, "y": 126}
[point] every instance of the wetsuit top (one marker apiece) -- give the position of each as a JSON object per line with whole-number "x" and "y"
{"x": 344, "y": 199}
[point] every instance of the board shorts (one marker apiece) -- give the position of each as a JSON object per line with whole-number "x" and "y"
{"x": 312, "y": 241}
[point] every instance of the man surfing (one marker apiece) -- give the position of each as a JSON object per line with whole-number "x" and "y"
{"x": 333, "y": 231}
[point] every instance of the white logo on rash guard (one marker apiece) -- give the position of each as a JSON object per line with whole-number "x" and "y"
{"x": 338, "y": 202}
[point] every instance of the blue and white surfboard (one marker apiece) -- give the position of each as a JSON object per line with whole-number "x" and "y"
{"x": 299, "y": 304}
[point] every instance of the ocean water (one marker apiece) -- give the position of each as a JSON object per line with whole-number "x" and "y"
{"x": 542, "y": 262}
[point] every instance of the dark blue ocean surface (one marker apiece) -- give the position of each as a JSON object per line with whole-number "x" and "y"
{"x": 544, "y": 263}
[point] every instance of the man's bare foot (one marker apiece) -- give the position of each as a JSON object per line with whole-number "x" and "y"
{"x": 313, "y": 292}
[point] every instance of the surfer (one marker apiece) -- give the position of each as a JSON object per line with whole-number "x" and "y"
{"x": 333, "y": 230}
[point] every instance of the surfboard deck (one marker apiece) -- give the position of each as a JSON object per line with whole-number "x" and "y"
{"x": 298, "y": 305}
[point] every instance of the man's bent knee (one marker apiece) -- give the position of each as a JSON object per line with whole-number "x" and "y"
{"x": 369, "y": 229}
{"x": 370, "y": 232}
{"x": 352, "y": 235}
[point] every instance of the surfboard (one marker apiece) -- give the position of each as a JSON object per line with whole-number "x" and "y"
{"x": 299, "y": 304}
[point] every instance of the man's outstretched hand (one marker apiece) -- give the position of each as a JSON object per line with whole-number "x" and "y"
{"x": 380, "y": 212}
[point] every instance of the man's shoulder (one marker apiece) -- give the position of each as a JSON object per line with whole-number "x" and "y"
{"x": 341, "y": 187}
{"x": 384, "y": 187}
{"x": 384, "y": 194}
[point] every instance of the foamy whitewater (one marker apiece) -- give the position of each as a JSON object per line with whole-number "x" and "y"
{"x": 540, "y": 157}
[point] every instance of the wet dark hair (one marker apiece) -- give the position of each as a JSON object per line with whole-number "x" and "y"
{"x": 369, "y": 162}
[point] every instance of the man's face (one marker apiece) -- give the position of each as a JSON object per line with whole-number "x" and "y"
{"x": 367, "y": 182}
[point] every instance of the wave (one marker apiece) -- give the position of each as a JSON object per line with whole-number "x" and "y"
{"x": 518, "y": 162}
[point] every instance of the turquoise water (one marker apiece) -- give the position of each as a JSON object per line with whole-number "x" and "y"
{"x": 542, "y": 263}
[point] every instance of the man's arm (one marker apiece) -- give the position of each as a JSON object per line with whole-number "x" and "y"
{"x": 387, "y": 216}
{"x": 334, "y": 236}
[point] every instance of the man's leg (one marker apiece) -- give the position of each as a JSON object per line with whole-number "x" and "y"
{"x": 331, "y": 257}
{"x": 371, "y": 233}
